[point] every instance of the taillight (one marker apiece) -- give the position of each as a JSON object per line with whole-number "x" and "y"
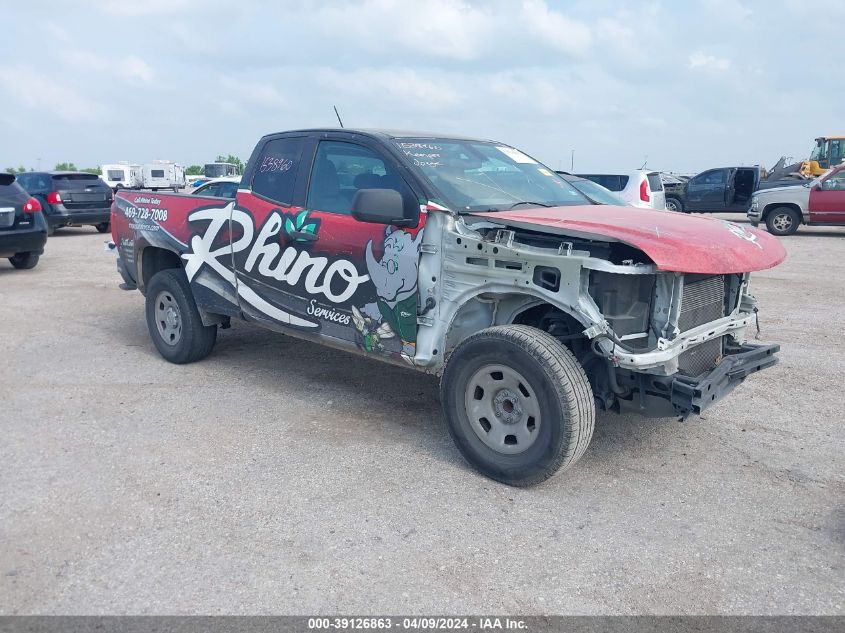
{"x": 644, "y": 191}
{"x": 32, "y": 206}
{"x": 54, "y": 198}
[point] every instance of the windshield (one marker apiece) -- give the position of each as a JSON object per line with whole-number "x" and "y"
{"x": 595, "y": 192}
{"x": 818, "y": 151}
{"x": 483, "y": 176}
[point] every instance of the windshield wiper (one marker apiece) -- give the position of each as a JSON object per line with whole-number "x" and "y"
{"x": 538, "y": 204}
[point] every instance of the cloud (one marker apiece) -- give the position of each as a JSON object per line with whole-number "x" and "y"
{"x": 148, "y": 7}
{"x": 127, "y": 68}
{"x": 699, "y": 60}
{"x": 260, "y": 93}
{"x": 39, "y": 91}
{"x": 439, "y": 28}
{"x": 404, "y": 88}
{"x": 555, "y": 29}
{"x": 137, "y": 68}
{"x": 731, "y": 10}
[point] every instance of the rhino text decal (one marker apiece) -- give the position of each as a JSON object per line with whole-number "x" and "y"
{"x": 265, "y": 254}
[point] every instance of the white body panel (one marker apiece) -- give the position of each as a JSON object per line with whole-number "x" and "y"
{"x": 122, "y": 175}
{"x": 163, "y": 175}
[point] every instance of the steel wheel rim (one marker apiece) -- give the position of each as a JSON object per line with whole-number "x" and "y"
{"x": 168, "y": 318}
{"x": 503, "y": 409}
{"x": 782, "y": 222}
{"x": 671, "y": 205}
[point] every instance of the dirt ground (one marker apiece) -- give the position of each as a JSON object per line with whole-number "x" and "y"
{"x": 278, "y": 476}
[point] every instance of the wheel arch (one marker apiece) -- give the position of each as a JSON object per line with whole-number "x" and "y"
{"x": 485, "y": 309}
{"x": 153, "y": 259}
{"x": 769, "y": 208}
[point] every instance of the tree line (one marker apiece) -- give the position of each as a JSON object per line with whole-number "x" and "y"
{"x": 190, "y": 170}
{"x": 59, "y": 167}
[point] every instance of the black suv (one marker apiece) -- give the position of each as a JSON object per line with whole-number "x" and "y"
{"x": 70, "y": 197}
{"x": 23, "y": 230}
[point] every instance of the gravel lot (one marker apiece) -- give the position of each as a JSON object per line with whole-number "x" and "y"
{"x": 278, "y": 476}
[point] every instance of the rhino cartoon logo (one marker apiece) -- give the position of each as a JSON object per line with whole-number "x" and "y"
{"x": 395, "y": 279}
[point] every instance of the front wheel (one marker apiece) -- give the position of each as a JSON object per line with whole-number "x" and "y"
{"x": 102, "y": 227}
{"x": 174, "y": 321}
{"x": 783, "y": 221}
{"x": 24, "y": 261}
{"x": 517, "y": 403}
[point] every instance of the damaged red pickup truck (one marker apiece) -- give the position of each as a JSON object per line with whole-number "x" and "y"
{"x": 463, "y": 258}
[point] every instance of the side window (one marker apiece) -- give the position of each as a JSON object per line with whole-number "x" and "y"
{"x": 341, "y": 169}
{"x": 837, "y": 152}
{"x": 715, "y": 177}
{"x": 276, "y": 169}
{"x": 836, "y": 182}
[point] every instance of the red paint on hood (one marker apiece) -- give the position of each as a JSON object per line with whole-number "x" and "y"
{"x": 674, "y": 241}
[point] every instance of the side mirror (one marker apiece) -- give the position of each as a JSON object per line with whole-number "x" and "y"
{"x": 381, "y": 206}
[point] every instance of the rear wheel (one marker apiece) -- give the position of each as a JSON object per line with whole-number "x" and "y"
{"x": 102, "y": 227}
{"x": 24, "y": 261}
{"x": 674, "y": 204}
{"x": 517, "y": 403}
{"x": 783, "y": 221}
{"x": 174, "y": 321}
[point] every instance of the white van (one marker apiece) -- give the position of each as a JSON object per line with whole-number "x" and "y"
{"x": 163, "y": 174}
{"x": 122, "y": 175}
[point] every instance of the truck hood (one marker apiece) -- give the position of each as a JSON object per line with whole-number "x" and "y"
{"x": 794, "y": 189}
{"x": 674, "y": 241}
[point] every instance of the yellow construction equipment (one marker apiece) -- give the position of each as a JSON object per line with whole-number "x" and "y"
{"x": 828, "y": 152}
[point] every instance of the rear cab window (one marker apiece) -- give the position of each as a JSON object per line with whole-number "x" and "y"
{"x": 277, "y": 167}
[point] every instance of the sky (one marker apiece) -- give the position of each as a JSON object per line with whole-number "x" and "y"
{"x": 684, "y": 85}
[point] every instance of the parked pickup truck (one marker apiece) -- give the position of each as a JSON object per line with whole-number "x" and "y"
{"x": 819, "y": 202}
{"x": 722, "y": 190}
{"x": 463, "y": 258}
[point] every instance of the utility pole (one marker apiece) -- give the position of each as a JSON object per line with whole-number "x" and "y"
{"x": 572, "y": 162}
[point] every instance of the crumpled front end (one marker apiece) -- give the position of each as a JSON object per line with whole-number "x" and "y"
{"x": 679, "y": 346}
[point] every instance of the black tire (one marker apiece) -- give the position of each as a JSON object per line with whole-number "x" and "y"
{"x": 674, "y": 204}
{"x": 194, "y": 340}
{"x": 50, "y": 228}
{"x": 24, "y": 261}
{"x": 555, "y": 385}
{"x": 103, "y": 227}
{"x": 783, "y": 221}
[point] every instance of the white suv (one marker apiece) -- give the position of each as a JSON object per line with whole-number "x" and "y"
{"x": 638, "y": 188}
